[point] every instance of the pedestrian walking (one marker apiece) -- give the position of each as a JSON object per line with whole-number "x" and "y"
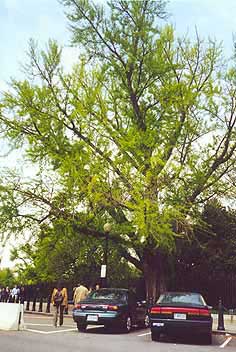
{"x": 97, "y": 287}
{"x": 4, "y": 295}
{"x": 7, "y": 294}
{"x": 59, "y": 300}
{"x": 90, "y": 289}
{"x": 12, "y": 295}
{"x": 80, "y": 293}
{"x": 93, "y": 288}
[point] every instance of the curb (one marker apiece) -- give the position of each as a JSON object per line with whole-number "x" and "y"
{"x": 45, "y": 314}
{"x": 223, "y": 332}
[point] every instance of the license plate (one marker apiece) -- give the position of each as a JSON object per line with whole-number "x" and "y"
{"x": 158, "y": 324}
{"x": 92, "y": 318}
{"x": 179, "y": 316}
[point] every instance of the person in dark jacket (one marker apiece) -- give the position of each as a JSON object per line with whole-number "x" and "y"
{"x": 22, "y": 295}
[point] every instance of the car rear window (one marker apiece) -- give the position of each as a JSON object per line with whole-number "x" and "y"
{"x": 109, "y": 295}
{"x": 181, "y": 298}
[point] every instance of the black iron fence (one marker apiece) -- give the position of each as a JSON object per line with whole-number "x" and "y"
{"x": 213, "y": 286}
{"x": 38, "y": 297}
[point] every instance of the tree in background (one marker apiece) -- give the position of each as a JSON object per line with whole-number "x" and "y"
{"x": 213, "y": 247}
{"x": 141, "y": 133}
{"x": 59, "y": 253}
{"x": 7, "y": 278}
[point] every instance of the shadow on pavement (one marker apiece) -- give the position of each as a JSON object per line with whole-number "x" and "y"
{"x": 192, "y": 340}
{"x": 111, "y": 331}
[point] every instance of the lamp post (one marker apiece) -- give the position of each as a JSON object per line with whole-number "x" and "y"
{"x": 107, "y": 229}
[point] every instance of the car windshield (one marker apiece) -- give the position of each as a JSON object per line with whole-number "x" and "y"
{"x": 109, "y": 295}
{"x": 181, "y": 298}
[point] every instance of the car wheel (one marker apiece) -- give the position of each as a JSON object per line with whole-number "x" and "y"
{"x": 208, "y": 339}
{"x": 155, "y": 336}
{"x": 127, "y": 324}
{"x": 81, "y": 327}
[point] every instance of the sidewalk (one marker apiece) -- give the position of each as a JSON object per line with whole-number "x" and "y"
{"x": 229, "y": 321}
{"x": 229, "y": 324}
{"x": 70, "y": 307}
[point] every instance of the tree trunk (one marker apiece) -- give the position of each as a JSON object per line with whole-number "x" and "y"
{"x": 154, "y": 274}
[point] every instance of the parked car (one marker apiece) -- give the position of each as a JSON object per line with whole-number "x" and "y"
{"x": 113, "y": 308}
{"x": 181, "y": 313}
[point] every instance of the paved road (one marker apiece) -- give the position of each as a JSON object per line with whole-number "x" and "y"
{"x": 41, "y": 336}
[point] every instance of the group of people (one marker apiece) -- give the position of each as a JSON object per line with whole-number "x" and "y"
{"x": 13, "y": 295}
{"x": 59, "y": 299}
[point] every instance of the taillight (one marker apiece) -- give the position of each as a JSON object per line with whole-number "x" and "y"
{"x": 112, "y": 307}
{"x": 204, "y": 312}
{"x": 78, "y": 306}
{"x": 155, "y": 310}
{"x": 166, "y": 311}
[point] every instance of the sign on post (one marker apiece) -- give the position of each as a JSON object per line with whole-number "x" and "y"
{"x": 103, "y": 271}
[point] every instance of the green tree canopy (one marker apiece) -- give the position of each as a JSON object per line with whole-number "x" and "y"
{"x": 213, "y": 249}
{"x": 60, "y": 253}
{"x": 7, "y": 278}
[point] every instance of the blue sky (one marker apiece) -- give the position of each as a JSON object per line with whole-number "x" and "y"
{"x": 215, "y": 18}
{"x": 21, "y": 20}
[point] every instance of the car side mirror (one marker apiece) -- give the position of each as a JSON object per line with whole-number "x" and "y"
{"x": 210, "y": 307}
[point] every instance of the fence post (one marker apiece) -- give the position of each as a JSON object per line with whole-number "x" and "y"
{"x": 34, "y": 304}
{"x": 41, "y": 304}
{"x": 48, "y": 304}
{"x": 28, "y": 303}
{"x": 231, "y": 312}
{"x": 28, "y": 294}
{"x": 221, "y": 316}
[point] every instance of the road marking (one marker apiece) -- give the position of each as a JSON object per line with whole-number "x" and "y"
{"x": 56, "y": 332}
{"x": 146, "y": 333}
{"x": 35, "y": 324}
{"x": 49, "y": 332}
{"x": 37, "y": 331}
{"x": 226, "y": 342}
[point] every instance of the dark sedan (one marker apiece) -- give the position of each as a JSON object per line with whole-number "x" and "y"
{"x": 181, "y": 313}
{"x": 113, "y": 308}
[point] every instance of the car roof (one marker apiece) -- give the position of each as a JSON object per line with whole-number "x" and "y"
{"x": 114, "y": 289}
{"x": 180, "y": 293}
